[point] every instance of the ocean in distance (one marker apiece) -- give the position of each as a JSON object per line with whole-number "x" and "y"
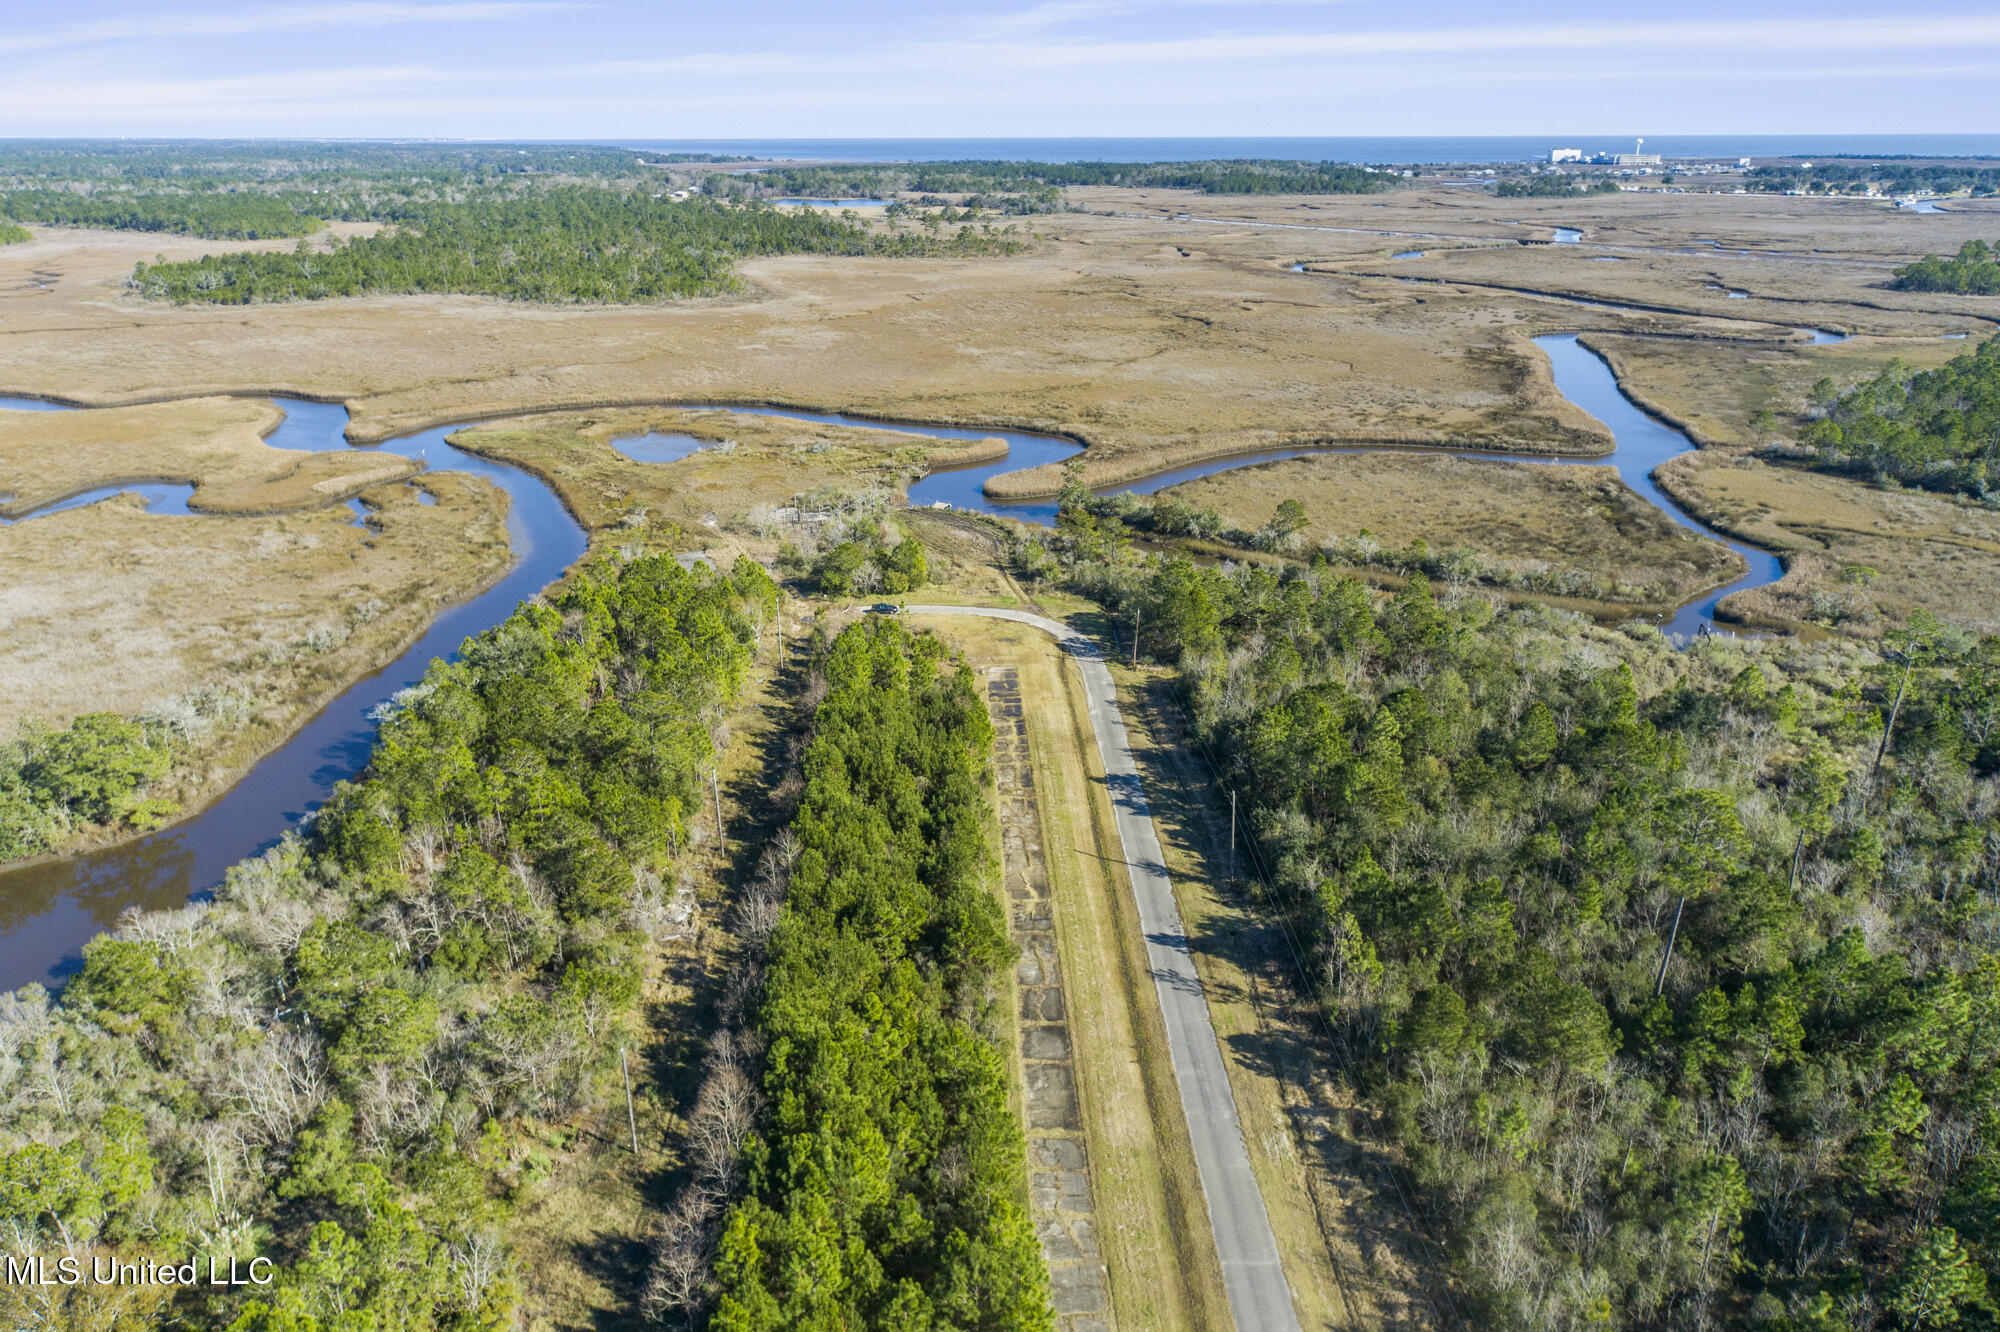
{"x": 1466, "y": 149}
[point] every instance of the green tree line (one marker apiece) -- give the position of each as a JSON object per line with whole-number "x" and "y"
{"x": 231, "y": 215}
{"x": 294, "y": 163}
{"x": 1676, "y": 974}
{"x": 1939, "y": 430}
{"x": 1544, "y": 185}
{"x": 1039, "y": 179}
{"x": 1883, "y": 177}
{"x": 861, "y": 562}
{"x": 1973, "y": 271}
{"x": 568, "y": 244}
{"x": 352, "y": 1059}
{"x": 886, "y": 1177}
{"x": 94, "y": 771}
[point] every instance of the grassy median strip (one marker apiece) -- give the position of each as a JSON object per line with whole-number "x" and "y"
{"x": 1157, "y": 1235}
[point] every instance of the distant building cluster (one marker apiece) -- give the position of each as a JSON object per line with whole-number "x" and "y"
{"x": 1637, "y": 157}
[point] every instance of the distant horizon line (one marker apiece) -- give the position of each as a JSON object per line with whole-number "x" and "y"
{"x": 607, "y": 140}
{"x": 1381, "y": 150}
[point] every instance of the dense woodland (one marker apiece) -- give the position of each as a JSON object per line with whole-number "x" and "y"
{"x": 352, "y": 1059}
{"x": 232, "y": 216}
{"x": 883, "y": 1184}
{"x": 469, "y": 217}
{"x": 1041, "y": 181}
{"x": 535, "y": 223}
{"x": 265, "y": 190}
{"x": 202, "y": 164}
{"x": 1676, "y": 973}
{"x": 567, "y": 244}
{"x": 93, "y": 772}
{"x": 1882, "y": 177}
{"x": 1973, "y": 271}
{"x": 1939, "y": 430}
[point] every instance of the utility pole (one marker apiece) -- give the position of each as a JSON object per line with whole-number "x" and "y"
{"x": 631, "y": 1120}
{"x": 1660, "y": 985}
{"x": 715, "y": 785}
{"x": 1232, "y": 834}
{"x": 1889, "y": 727}
{"x": 1135, "y": 637}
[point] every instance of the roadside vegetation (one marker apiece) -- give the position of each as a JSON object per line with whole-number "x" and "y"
{"x": 350, "y": 1060}
{"x": 1673, "y": 972}
{"x": 861, "y": 561}
{"x": 1938, "y": 430}
{"x": 1973, "y": 271}
{"x": 884, "y": 1182}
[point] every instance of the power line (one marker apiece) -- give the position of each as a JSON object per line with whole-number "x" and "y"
{"x": 1318, "y": 1019}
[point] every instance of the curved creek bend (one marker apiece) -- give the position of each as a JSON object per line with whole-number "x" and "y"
{"x": 49, "y": 909}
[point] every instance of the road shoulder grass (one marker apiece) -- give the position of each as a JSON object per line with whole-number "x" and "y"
{"x": 1350, "y": 1253}
{"x": 1153, "y": 1223}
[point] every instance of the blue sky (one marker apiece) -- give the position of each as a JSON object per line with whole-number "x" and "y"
{"x": 534, "y": 69}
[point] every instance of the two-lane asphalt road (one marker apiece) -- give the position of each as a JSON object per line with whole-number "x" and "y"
{"x": 1258, "y": 1296}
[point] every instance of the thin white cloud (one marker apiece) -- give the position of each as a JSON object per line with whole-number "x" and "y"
{"x": 1064, "y": 13}
{"x": 421, "y": 90}
{"x": 1716, "y": 40}
{"x": 273, "y": 18}
{"x": 1719, "y": 37}
{"x": 1151, "y": 83}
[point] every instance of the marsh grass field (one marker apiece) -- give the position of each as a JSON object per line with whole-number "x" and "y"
{"x": 745, "y": 462}
{"x": 1522, "y": 516}
{"x": 214, "y": 444}
{"x": 1859, "y": 558}
{"x": 1101, "y": 332}
{"x": 1156, "y": 342}
{"x": 248, "y": 622}
{"x": 1716, "y": 392}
